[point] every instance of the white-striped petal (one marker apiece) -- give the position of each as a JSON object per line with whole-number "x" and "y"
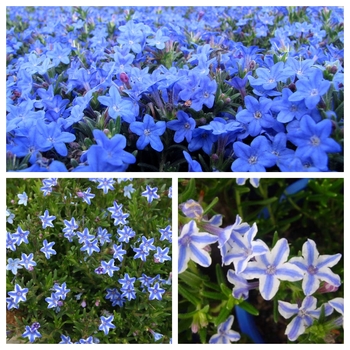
{"x": 286, "y": 309}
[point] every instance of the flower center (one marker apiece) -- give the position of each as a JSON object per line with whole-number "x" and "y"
{"x": 315, "y": 141}
{"x": 257, "y": 115}
{"x": 271, "y": 270}
{"x": 187, "y": 126}
{"x": 312, "y": 270}
{"x": 186, "y": 240}
{"x": 147, "y": 132}
{"x": 302, "y": 313}
{"x": 252, "y": 159}
{"x": 293, "y": 108}
{"x": 314, "y": 92}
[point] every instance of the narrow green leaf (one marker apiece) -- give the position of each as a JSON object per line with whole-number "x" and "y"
{"x": 249, "y": 308}
{"x": 189, "y": 191}
{"x": 191, "y": 279}
{"x": 203, "y": 335}
{"x": 187, "y": 315}
{"x": 219, "y": 275}
{"x": 275, "y": 238}
{"x": 188, "y": 295}
{"x": 223, "y": 315}
{"x": 213, "y": 295}
{"x": 211, "y": 205}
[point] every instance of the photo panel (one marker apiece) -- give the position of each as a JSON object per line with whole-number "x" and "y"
{"x": 89, "y": 260}
{"x": 261, "y": 260}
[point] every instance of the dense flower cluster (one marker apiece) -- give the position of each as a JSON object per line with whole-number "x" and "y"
{"x": 174, "y": 88}
{"x": 258, "y": 266}
{"x": 81, "y": 253}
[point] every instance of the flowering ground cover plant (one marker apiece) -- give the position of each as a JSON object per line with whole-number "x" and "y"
{"x": 175, "y": 88}
{"x": 89, "y": 260}
{"x": 257, "y": 262}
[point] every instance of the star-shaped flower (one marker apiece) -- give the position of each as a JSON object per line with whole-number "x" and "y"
{"x": 272, "y": 267}
{"x": 23, "y": 198}
{"x": 31, "y": 333}
{"x": 90, "y": 246}
{"x": 13, "y": 265}
{"x": 106, "y": 324}
{"x": 225, "y": 334}
{"x": 86, "y": 195}
{"x": 21, "y": 236}
{"x": 166, "y": 233}
{"x": 47, "y": 219}
{"x": 192, "y": 244}
{"x": 19, "y": 294}
{"x": 106, "y": 184}
{"x": 156, "y": 292}
{"x": 47, "y": 249}
{"x": 109, "y": 267}
{"x": 316, "y": 267}
{"x": 162, "y": 255}
{"x": 27, "y": 260}
{"x": 150, "y": 193}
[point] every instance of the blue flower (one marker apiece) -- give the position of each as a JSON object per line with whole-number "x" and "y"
{"x": 106, "y": 184}
{"x": 125, "y": 234}
{"x": 19, "y": 294}
{"x": 306, "y": 313}
{"x": 255, "y": 157}
{"x": 183, "y": 126}
{"x": 31, "y": 333}
{"x": 150, "y": 193}
{"x": 65, "y": 339}
{"x": 47, "y": 249}
{"x": 118, "y": 252}
{"x": 253, "y": 181}
{"x": 52, "y": 301}
{"x": 127, "y": 281}
{"x": 337, "y": 304}
{"x": 118, "y": 106}
{"x": 10, "y": 241}
{"x": 316, "y": 267}
{"x": 312, "y": 140}
{"x": 192, "y": 244}
{"x": 149, "y": 133}
{"x": 106, "y": 324}
{"x": 156, "y": 292}
{"x": 156, "y": 336}
{"x": 272, "y": 267}
{"x": 193, "y": 165}
{"x": 23, "y": 198}
{"x": 147, "y": 244}
{"x": 162, "y": 255}
{"x": 128, "y": 190}
{"x": 225, "y": 335}
{"x": 109, "y": 267}
{"x": 241, "y": 286}
{"x": 13, "y": 265}
{"x": 84, "y": 236}
{"x": 27, "y": 260}
{"x": 243, "y": 248}
{"x": 311, "y": 89}
{"x": 192, "y": 209}
{"x": 21, "y": 236}
{"x": 103, "y": 236}
{"x": 11, "y": 303}
{"x": 10, "y": 215}
{"x": 46, "y": 219}
{"x": 257, "y": 115}
{"x": 69, "y": 228}
{"x": 86, "y": 195}
{"x": 141, "y": 253}
{"x": 90, "y": 247}
{"x": 158, "y": 40}
{"x": 128, "y": 292}
{"x": 61, "y": 291}
{"x": 166, "y": 233}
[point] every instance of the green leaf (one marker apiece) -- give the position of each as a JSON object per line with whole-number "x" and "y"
{"x": 213, "y": 295}
{"x": 211, "y": 205}
{"x": 188, "y": 296}
{"x": 189, "y": 191}
{"x": 249, "y": 308}
{"x": 220, "y": 276}
{"x": 191, "y": 279}
{"x": 275, "y": 238}
{"x": 223, "y": 315}
{"x": 203, "y": 335}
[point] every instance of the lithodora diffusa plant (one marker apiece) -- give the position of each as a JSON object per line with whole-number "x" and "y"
{"x": 257, "y": 262}
{"x": 89, "y": 260}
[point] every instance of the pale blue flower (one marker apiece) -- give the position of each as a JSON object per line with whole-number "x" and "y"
{"x": 192, "y": 244}
{"x": 306, "y": 314}
{"x": 19, "y": 294}
{"x": 10, "y": 215}
{"x": 150, "y": 193}
{"x": 337, "y": 304}
{"x": 13, "y": 265}
{"x": 272, "y": 267}
{"x": 156, "y": 292}
{"x": 106, "y": 324}
{"x": 241, "y": 285}
{"x": 23, "y": 198}
{"x": 106, "y": 184}
{"x": 128, "y": 190}
{"x": 225, "y": 335}
{"x": 47, "y": 249}
{"x": 31, "y": 333}
{"x": 27, "y": 260}
{"x": 162, "y": 255}
{"x": 316, "y": 267}
{"x": 47, "y": 219}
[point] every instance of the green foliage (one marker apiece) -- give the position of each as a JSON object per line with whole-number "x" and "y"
{"x": 135, "y": 320}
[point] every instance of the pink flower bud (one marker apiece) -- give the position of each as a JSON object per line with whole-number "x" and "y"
{"x": 124, "y": 78}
